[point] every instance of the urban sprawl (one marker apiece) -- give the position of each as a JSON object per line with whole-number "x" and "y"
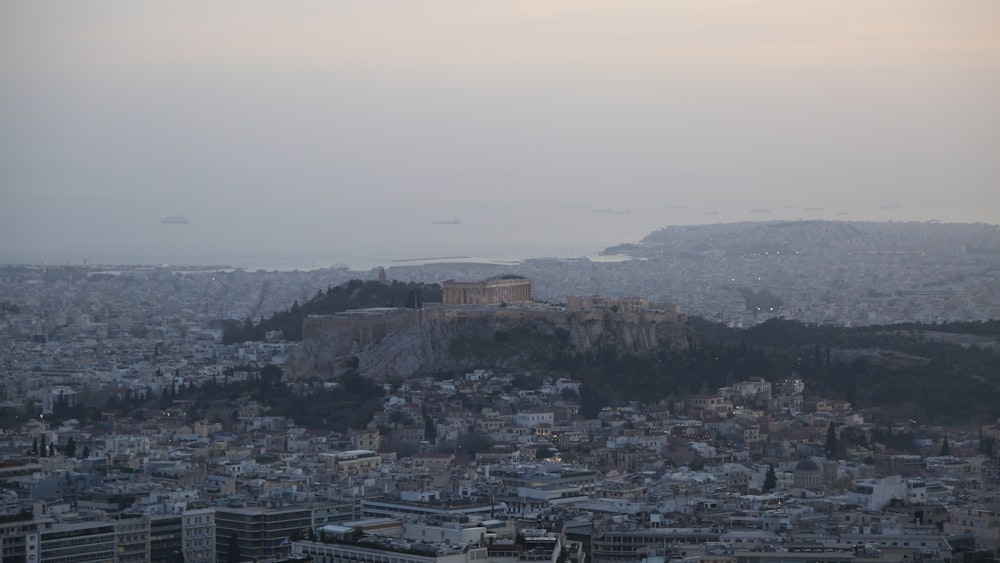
{"x": 760, "y": 471}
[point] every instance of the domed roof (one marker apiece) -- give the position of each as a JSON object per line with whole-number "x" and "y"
{"x": 807, "y": 465}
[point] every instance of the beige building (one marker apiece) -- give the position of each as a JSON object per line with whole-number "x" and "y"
{"x": 352, "y": 462}
{"x": 368, "y": 439}
{"x": 492, "y": 291}
{"x": 984, "y": 524}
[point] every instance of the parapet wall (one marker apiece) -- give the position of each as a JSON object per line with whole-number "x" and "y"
{"x": 364, "y": 326}
{"x": 622, "y": 304}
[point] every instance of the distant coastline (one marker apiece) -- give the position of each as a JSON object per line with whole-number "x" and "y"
{"x": 431, "y": 258}
{"x": 494, "y": 244}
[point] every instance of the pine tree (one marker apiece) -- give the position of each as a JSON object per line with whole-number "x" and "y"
{"x": 770, "y": 480}
{"x": 945, "y": 448}
{"x": 86, "y": 452}
{"x": 831, "y": 441}
{"x": 70, "y": 447}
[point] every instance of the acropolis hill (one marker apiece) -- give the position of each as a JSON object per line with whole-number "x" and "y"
{"x": 391, "y": 342}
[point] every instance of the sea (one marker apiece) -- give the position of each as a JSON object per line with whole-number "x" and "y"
{"x": 322, "y": 238}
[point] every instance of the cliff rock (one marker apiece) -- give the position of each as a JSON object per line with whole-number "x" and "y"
{"x": 465, "y": 340}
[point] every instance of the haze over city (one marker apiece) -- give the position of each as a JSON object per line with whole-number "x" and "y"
{"x": 307, "y": 133}
{"x": 482, "y": 281}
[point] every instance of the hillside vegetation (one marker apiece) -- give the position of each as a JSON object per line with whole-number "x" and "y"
{"x": 940, "y": 373}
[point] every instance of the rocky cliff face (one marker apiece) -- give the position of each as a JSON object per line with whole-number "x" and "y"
{"x": 455, "y": 341}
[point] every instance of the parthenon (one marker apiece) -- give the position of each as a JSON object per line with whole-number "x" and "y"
{"x": 492, "y": 291}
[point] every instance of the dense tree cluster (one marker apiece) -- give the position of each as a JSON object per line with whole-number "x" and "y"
{"x": 349, "y": 404}
{"x": 903, "y": 369}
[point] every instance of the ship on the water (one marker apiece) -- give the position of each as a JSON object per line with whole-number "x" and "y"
{"x": 175, "y": 220}
{"x": 451, "y": 222}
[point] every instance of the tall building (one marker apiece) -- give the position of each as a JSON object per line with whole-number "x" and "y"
{"x": 258, "y": 532}
{"x": 77, "y": 542}
{"x": 165, "y": 545}
{"x": 132, "y": 539}
{"x": 198, "y": 535}
{"x": 17, "y": 533}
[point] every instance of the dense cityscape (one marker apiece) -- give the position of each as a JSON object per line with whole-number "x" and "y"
{"x": 133, "y": 432}
{"x": 516, "y": 281}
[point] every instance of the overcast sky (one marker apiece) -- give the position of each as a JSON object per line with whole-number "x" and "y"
{"x": 308, "y": 126}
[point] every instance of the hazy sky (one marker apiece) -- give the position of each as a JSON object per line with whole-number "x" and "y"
{"x": 336, "y": 130}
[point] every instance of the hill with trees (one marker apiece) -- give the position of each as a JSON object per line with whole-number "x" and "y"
{"x": 908, "y": 371}
{"x": 940, "y": 373}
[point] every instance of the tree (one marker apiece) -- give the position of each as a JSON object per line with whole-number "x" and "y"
{"x": 86, "y": 451}
{"x": 770, "y": 480}
{"x": 831, "y": 441}
{"x": 945, "y": 448}
{"x": 430, "y": 427}
{"x": 43, "y": 449}
{"x": 544, "y": 453}
{"x": 70, "y": 447}
{"x": 474, "y": 443}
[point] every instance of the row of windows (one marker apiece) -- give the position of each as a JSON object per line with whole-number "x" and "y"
{"x": 17, "y": 530}
{"x": 104, "y": 556}
{"x": 334, "y": 555}
{"x": 198, "y": 543}
{"x": 77, "y": 533}
{"x": 789, "y": 560}
{"x": 645, "y": 539}
{"x": 78, "y": 540}
{"x": 235, "y": 517}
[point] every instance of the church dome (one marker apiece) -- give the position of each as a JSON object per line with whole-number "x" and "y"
{"x": 807, "y": 465}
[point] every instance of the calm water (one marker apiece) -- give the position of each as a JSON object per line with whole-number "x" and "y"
{"x": 364, "y": 238}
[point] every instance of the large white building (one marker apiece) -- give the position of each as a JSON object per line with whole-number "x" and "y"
{"x": 198, "y": 535}
{"x": 875, "y": 494}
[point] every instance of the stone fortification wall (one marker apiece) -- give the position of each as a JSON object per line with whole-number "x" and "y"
{"x": 371, "y": 326}
{"x": 623, "y": 305}
{"x": 365, "y": 326}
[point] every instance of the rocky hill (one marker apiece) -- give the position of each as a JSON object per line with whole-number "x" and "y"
{"x": 489, "y": 338}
